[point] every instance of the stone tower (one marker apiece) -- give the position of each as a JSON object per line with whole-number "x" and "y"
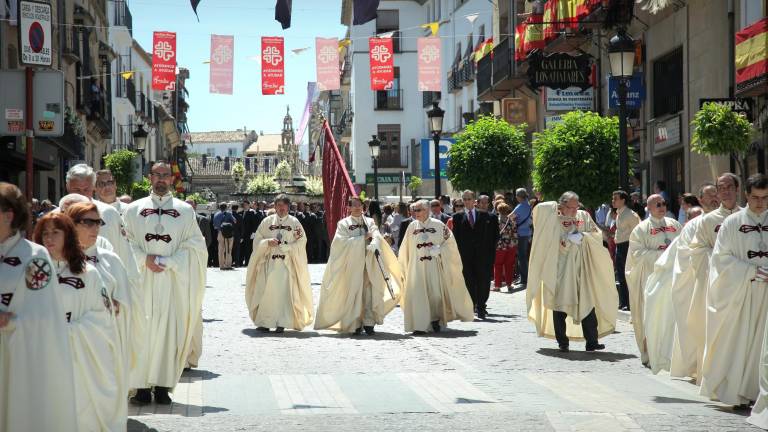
{"x": 288, "y": 150}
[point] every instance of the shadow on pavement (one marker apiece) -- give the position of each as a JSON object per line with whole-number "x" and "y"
{"x": 451, "y": 333}
{"x": 290, "y": 334}
{"x": 210, "y": 320}
{"x": 605, "y": 356}
{"x": 730, "y": 410}
{"x": 491, "y": 320}
{"x": 504, "y": 316}
{"x": 200, "y": 375}
{"x": 378, "y": 336}
{"x": 664, "y": 399}
{"x": 137, "y": 426}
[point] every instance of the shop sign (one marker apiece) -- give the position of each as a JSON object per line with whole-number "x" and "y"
{"x": 550, "y": 121}
{"x": 744, "y": 106}
{"x": 667, "y": 134}
{"x": 395, "y": 178}
{"x": 559, "y": 71}
{"x": 428, "y": 157}
{"x": 570, "y": 99}
{"x": 635, "y": 92}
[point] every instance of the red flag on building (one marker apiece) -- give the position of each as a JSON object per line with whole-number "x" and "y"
{"x": 337, "y": 186}
{"x": 164, "y": 61}
{"x": 272, "y": 66}
{"x": 382, "y": 63}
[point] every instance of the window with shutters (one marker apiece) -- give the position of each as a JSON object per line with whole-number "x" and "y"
{"x": 389, "y": 151}
{"x": 668, "y": 84}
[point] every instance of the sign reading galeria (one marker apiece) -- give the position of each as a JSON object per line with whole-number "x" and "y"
{"x": 570, "y": 99}
{"x": 559, "y": 70}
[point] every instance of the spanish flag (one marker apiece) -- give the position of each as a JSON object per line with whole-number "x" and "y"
{"x": 483, "y": 48}
{"x": 752, "y": 51}
{"x": 549, "y": 29}
{"x": 534, "y": 33}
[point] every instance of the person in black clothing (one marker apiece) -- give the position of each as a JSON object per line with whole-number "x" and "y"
{"x": 312, "y": 233}
{"x": 404, "y": 225}
{"x": 436, "y": 211}
{"x": 236, "y": 258}
{"x": 476, "y": 234}
{"x": 250, "y": 223}
{"x": 322, "y": 237}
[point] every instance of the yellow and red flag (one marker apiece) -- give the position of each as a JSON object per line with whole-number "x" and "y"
{"x": 483, "y": 48}
{"x": 752, "y": 51}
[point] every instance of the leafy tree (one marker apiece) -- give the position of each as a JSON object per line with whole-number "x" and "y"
{"x": 140, "y": 189}
{"x": 490, "y": 154}
{"x": 718, "y": 130}
{"x": 121, "y": 164}
{"x": 262, "y": 184}
{"x": 580, "y": 154}
{"x": 414, "y": 185}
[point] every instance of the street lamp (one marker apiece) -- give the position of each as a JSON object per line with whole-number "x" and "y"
{"x": 436, "y": 128}
{"x": 140, "y": 138}
{"x": 621, "y": 54}
{"x": 375, "y": 145}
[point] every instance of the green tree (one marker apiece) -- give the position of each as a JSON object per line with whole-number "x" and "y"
{"x": 580, "y": 154}
{"x": 414, "y": 184}
{"x": 140, "y": 189}
{"x": 121, "y": 164}
{"x": 718, "y": 130}
{"x": 490, "y": 155}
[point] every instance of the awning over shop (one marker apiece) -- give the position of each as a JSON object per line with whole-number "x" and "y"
{"x": 752, "y": 59}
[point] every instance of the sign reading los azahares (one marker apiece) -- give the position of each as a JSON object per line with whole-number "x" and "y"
{"x": 559, "y": 71}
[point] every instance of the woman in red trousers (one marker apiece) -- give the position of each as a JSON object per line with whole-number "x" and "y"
{"x": 506, "y": 249}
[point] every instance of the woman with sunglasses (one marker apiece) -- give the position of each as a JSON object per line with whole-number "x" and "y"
{"x": 35, "y": 367}
{"x": 126, "y": 311}
{"x": 95, "y": 353}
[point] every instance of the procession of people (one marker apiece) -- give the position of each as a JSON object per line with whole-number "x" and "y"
{"x": 114, "y": 291}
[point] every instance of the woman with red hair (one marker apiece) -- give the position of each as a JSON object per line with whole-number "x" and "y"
{"x": 35, "y": 368}
{"x": 92, "y": 334}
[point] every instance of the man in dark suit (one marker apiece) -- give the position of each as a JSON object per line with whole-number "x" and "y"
{"x": 476, "y": 234}
{"x": 436, "y": 211}
{"x": 250, "y": 224}
{"x": 404, "y": 225}
{"x": 236, "y": 255}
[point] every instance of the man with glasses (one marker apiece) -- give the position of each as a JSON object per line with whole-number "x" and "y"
{"x": 436, "y": 209}
{"x": 737, "y": 302}
{"x": 106, "y": 190}
{"x": 172, "y": 257}
{"x": 434, "y": 292}
{"x": 703, "y": 243}
{"x": 476, "y": 234}
{"x": 648, "y": 240}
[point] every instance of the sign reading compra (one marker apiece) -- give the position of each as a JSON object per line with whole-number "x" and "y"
{"x": 35, "y": 33}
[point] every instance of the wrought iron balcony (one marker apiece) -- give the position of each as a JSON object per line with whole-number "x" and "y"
{"x": 388, "y": 100}
{"x": 123, "y": 17}
{"x": 429, "y": 97}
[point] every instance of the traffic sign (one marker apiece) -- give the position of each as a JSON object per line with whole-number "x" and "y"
{"x": 35, "y": 33}
{"x": 47, "y": 104}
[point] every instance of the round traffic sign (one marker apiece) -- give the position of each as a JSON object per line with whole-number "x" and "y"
{"x": 36, "y": 37}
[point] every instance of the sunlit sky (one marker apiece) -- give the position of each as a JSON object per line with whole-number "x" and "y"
{"x": 247, "y": 21}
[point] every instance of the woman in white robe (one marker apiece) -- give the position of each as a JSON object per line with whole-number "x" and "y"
{"x": 92, "y": 333}
{"x": 34, "y": 348}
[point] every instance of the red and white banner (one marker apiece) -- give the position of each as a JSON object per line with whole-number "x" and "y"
{"x": 382, "y": 61}
{"x": 428, "y": 49}
{"x": 222, "y": 55}
{"x": 164, "y": 61}
{"x": 327, "y": 57}
{"x": 272, "y": 66}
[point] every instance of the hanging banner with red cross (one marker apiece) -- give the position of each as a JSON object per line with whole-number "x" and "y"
{"x": 164, "y": 61}
{"x": 382, "y": 62}
{"x": 222, "y": 51}
{"x": 428, "y": 49}
{"x": 272, "y": 66}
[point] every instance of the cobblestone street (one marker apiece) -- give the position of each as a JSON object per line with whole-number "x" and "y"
{"x": 491, "y": 375}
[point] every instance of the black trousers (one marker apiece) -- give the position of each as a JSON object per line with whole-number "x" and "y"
{"x": 588, "y": 327}
{"x": 621, "y": 277}
{"x": 478, "y": 281}
{"x": 246, "y": 250}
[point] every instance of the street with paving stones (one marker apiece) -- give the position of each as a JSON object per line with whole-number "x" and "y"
{"x": 483, "y": 375}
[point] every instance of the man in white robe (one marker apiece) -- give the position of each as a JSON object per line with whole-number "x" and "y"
{"x": 277, "y": 284}
{"x": 647, "y": 242}
{"x": 36, "y": 371}
{"x": 571, "y": 294}
{"x": 737, "y": 302}
{"x": 703, "y": 244}
{"x": 172, "y": 256}
{"x": 434, "y": 291}
{"x": 362, "y": 279}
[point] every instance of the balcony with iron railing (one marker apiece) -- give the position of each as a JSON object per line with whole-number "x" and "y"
{"x": 123, "y": 17}
{"x": 141, "y": 108}
{"x": 429, "y": 97}
{"x": 395, "y": 160}
{"x": 130, "y": 91}
{"x": 388, "y": 100}
{"x": 497, "y": 75}
{"x": 71, "y": 48}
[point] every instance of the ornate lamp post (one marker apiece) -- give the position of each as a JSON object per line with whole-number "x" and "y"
{"x": 621, "y": 54}
{"x": 375, "y": 145}
{"x": 435, "y": 116}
